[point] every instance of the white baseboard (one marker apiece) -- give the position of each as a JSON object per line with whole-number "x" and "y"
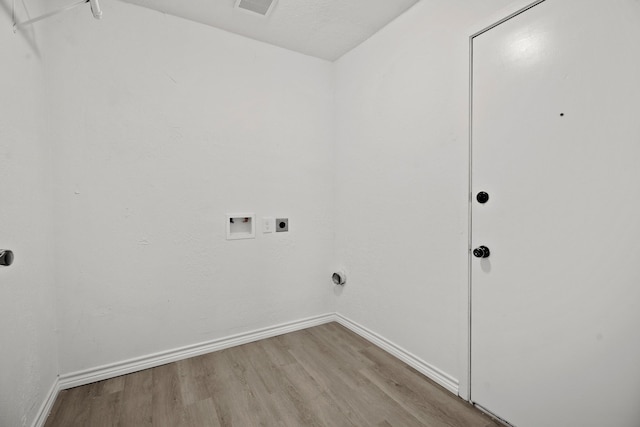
{"x": 47, "y": 405}
{"x": 431, "y": 372}
{"x": 112, "y": 370}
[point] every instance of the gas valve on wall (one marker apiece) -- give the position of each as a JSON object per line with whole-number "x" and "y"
{"x": 339, "y": 278}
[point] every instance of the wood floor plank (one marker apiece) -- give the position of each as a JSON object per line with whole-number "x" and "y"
{"x": 193, "y": 380}
{"x": 233, "y": 399}
{"x": 104, "y": 409}
{"x": 333, "y": 410}
{"x": 137, "y": 400}
{"x": 113, "y": 385}
{"x": 275, "y": 390}
{"x": 202, "y": 414}
{"x": 305, "y": 348}
{"x": 367, "y": 405}
{"x": 217, "y": 376}
{"x": 418, "y": 395}
{"x": 73, "y": 410}
{"x": 259, "y": 406}
{"x": 342, "y": 348}
{"x": 167, "y": 407}
{"x": 278, "y": 354}
{"x": 324, "y": 376}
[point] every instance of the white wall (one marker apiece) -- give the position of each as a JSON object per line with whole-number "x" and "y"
{"x": 28, "y": 349}
{"x": 158, "y": 127}
{"x": 161, "y": 126}
{"x": 402, "y": 179}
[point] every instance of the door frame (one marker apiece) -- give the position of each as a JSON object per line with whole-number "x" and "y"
{"x": 492, "y": 21}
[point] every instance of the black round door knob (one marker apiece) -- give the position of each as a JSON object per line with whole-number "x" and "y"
{"x": 482, "y": 197}
{"x": 481, "y": 252}
{"x": 6, "y": 257}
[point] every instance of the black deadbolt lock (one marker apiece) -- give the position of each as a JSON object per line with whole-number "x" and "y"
{"x": 6, "y": 257}
{"x": 482, "y": 197}
{"x": 481, "y": 252}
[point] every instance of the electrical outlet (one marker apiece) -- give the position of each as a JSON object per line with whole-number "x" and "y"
{"x": 282, "y": 224}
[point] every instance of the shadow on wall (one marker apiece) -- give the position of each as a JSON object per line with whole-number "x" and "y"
{"x": 27, "y": 33}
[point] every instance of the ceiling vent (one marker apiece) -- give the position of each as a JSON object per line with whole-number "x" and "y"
{"x": 258, "y": 7}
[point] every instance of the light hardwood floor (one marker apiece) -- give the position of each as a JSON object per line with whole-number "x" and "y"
{"x": 322, "y": 376}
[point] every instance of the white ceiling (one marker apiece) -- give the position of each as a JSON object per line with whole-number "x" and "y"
{"x": 322, "y": 28}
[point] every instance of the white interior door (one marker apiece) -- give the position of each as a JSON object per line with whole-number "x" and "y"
{"x": 556, "y": 145}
